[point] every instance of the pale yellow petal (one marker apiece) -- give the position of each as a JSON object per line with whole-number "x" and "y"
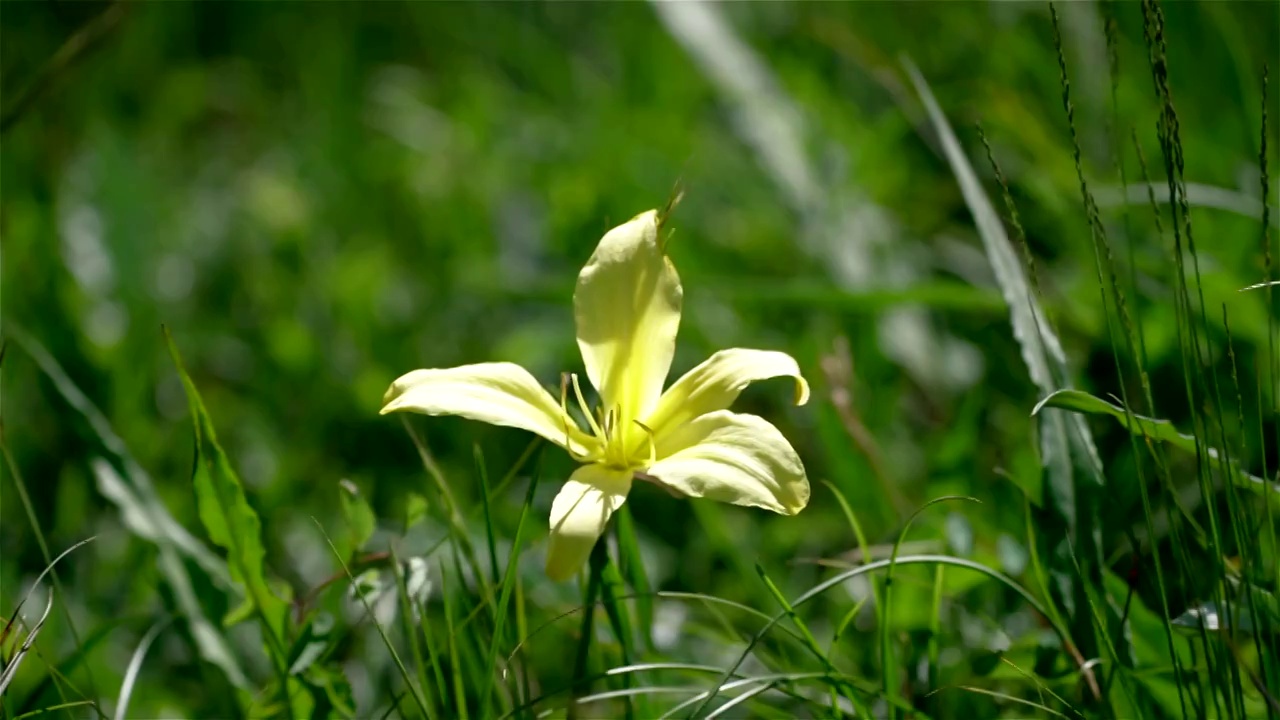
{"x": 733, "y": 458}
{"x": 718, "y": 381}
{"x": 498, "y": 393}
{"x": 579, "y": 515}
{"x": 627, "y": 307}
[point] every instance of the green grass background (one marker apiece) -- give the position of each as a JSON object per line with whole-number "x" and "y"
{"x": 314, "y": 198}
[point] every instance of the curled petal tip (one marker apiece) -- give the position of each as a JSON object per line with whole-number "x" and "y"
{"x": 802, "y": 390}
{"x": 733, "y": 458}
{"x": 389, "y": 398}
{"x": 795, "y": 508}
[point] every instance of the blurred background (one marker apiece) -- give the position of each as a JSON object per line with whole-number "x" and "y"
{"x": 316, "y": 198}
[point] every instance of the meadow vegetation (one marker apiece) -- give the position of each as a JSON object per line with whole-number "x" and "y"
{"x": 1022, "y": 253}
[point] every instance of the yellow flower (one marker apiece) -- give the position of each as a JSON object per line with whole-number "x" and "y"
{"x": 627, "y": 307}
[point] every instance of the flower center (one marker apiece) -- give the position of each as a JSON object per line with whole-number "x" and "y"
{"x": 621, "y": 443}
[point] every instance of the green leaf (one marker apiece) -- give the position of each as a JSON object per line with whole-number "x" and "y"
{"x": 272, "y": 702}
{"x": 227, "y": 516}
{"x": 330, "y": 691}
{"x": 1162, "y": 430}
{"x": 144, "y": 514}
{"x": 335, "y": 698}
{"x": 415, "y": 510}
{"x": 311, "y": 644}
{"x": 361, "y": 521}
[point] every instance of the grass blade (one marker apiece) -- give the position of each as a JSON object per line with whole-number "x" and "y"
{"x": 410, "y": 615}
{"x": 1005, "y": 697}
{"x": 847, "y": 575}
{"x": 395, "y": 656}
{"x": 631, "y": 566}
{"x": 135, "y": 666}
{"x": 11, "y": 670}
{"x": 1067, "y": 452}
{"x": 25, "y": 498}
{"x": 809, "y": 640}
{"x": 611, "y": 593}
{"x": 60, "y": 706}
{"x": 1042, "y": 352}
{"x": 211, "y": 643}
{"x": 139, "y": 500}
{"x": 1081, "y": 402}
{"x": 508, "y": 585}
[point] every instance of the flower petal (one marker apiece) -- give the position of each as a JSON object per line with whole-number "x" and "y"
{"x": 733, "y": 458}
{"x": 579, "y": 515}
{"x": 627, "y": 307}
{"x": 718, "y": 381}
{"x": 498, "y": 393}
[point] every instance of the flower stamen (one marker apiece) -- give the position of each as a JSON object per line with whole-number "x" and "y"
{"x": 568, "y": 446}
{"x": 565, "y": 419}
{"x": 605, "y": 421}
{"x": 653, "y": 447}
{"x": 582, "y": 404}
